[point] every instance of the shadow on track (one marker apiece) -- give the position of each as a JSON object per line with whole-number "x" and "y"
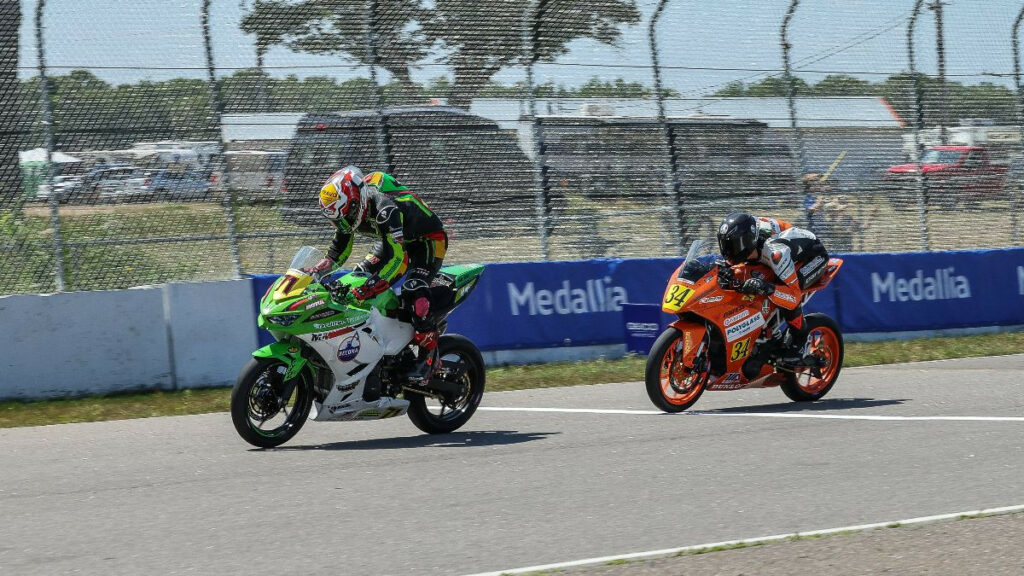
{"x": 453, "y": 440}
{"x": 829, "y": 404}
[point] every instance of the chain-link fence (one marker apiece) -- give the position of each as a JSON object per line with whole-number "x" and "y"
{"x": 147, "y": 142}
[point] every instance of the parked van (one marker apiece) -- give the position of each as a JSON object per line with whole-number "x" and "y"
{"x": 462, "y": 165}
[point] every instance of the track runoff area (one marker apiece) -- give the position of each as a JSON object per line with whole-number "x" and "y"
{"x": 944, "y": 377}
{"x": 538, "y": 479}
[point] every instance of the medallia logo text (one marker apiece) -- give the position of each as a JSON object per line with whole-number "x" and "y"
{"x": 597, "y": 295}
{"x": 944, "y": 284}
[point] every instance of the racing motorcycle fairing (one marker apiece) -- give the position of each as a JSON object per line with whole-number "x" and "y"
{"x": 348, "y": 338}
{"x": 740, "y": 324}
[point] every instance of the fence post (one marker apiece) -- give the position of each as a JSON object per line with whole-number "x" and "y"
{"x": 798, "y": 155}
{"x": 217, "y": 107}
{"x": 386, "y": 158}
{"x": 48, "y": 138}
{"x": 920, "y": 177}
{"x": 673, "y": 187}
{"x": 1015, "y": 198}
{"x": 531, "y": 34}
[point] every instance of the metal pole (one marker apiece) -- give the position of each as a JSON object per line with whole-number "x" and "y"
{"x": 386, "y": 158}
{"x": 798, "y": 153}
{"x": 531, "y": 36}
{"x": 1015, "y": 193}
{"x": 47, "y": 107}
{"x": 936, "y": 7}
{"x": 217, "y": 107}
{"x": 673, "y": 187}
{"x": 920, "y": 177}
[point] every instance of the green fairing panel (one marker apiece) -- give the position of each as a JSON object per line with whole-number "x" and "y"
{"x": 464, "y": 273}
{"x": 289, "y": 354}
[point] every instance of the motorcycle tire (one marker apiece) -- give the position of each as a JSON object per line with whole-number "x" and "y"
{"x": 663, "y": 365}
{"x": 825, "y": 340}
{"x": 255, "y": 396}
{"x": 455, "y": 352}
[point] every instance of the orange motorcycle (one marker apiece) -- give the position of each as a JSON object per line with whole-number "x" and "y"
{"x": 726, "y": 340}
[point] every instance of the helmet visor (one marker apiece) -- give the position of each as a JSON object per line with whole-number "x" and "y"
{"x": 734, "y": 248}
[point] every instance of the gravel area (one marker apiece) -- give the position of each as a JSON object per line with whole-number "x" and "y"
{"x": 988, "y": 546}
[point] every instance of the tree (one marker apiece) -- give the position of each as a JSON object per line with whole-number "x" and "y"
{"x": 339, "y": 27}
{"x": 480, "y": 38}
{"x": 776, "y": 86}
{"x": 477, "y": 39}
{"x": 842, "y": 85}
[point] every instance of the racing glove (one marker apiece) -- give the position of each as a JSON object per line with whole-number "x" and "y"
{"x": 370, "y": 288}
{"x": 757, "y": 286}
{"x": 321, "y": 269}
{"x": 339, "y": 292}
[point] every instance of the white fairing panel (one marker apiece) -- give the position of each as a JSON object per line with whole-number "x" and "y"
{"x": 351, "y": 354}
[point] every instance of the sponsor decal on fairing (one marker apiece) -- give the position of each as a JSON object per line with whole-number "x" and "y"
{"x": 328, "y": 325}
{"x": 711, "y": 299}
{"x": 349, "y": 348}
{"x": 743, "y": 328}
{"x": 785, "y": 296}
{"x": 328, "y": 335}
{"x": 324, "y": 314}
{"x": 736, "y": 317}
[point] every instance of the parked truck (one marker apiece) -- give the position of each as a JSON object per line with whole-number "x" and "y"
{"x": 955, "y": 176}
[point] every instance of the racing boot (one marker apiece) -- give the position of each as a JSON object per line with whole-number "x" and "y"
{"x": 795, "y": 340}
{"x": 426, "y": 360}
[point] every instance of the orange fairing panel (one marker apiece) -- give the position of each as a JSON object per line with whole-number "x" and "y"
{"x": 692, "y": 336}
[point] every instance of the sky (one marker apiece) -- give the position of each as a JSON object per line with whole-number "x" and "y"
{"x": 703, "y": 44}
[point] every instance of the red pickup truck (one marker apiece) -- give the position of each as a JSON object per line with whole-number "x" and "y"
{"x": 956, "y": 175}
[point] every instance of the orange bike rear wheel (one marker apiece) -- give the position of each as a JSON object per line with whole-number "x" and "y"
{"x": 825, "y": 341}
{"x": 677, "y": 368}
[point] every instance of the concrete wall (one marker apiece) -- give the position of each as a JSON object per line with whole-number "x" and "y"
{"x": 163, "y": 337}
{"x": 82, "y": 342}
{"x": 212, "y": 330}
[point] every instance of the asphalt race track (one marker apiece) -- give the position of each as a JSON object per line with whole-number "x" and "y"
{"x": 514, "y": 488}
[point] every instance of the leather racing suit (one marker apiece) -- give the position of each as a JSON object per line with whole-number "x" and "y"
{"x": 410, "y": 240}
{"x": 797, "y": 258}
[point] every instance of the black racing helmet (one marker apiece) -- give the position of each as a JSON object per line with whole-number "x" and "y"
{"x": 737, "y": 237}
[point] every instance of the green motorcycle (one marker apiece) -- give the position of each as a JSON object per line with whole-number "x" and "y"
{"x": 346, "y": 360}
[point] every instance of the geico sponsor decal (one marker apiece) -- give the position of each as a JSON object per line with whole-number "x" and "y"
{"x": 944, "y": 284}
{"x": 597, "y": 295}
{"x": 710, "y": 299}
{"x": 744, "y": 328}
{"x": 737, "y": 317}
{"x": 642, "y": 326}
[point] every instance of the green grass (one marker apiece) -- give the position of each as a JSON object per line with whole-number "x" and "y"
{"x": 630, "y": 368}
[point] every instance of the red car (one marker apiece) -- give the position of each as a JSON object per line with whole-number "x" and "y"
{"x": 956, "y": 174}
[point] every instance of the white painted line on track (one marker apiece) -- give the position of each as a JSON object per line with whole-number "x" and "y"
{"x": 764, "y": 415}
{"x": 751, "y": 541}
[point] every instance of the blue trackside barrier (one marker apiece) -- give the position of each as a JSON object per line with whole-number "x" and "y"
{"x": 551, "y": 304}
{"x": 931, "y": 290}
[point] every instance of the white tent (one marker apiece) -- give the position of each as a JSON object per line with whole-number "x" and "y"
{"x": 39, "y": 155}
